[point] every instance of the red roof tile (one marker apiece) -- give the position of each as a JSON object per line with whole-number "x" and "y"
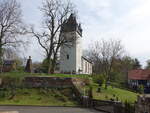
{"x": 139, "y": 74}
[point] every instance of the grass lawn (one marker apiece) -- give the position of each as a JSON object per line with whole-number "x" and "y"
{"x": 24, "y": 74}
{"x": 39, "y": 97}
{"x": 107, "y": 94}
{"x": 61, "y": 75}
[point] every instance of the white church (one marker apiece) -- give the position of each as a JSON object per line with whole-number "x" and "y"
{"x": 72, "y": 60}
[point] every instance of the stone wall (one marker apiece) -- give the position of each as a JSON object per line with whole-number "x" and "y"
{"x": 52, "y": 82}
{"x": 108, "y": 106}
{"x": 58, "y": 82}
{"x": 143, "y": 104}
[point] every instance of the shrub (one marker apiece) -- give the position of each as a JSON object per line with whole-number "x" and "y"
{"x": 11, "y": 82}
{"x": 141, "y": 88}
{"x": 99, "y": 79}
{"x": 129, "y": 108}
{"x": 45, "y": 65}
{"x": 2, "y": 93}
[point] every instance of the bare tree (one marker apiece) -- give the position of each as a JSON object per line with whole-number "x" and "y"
{"x": 9, "y": 53}
{"x": 12, "y": 54}
{"x": 147, "y": 64}
{"x": 10, "y": 24}
{"x": 103, "y": 53}
{"x": 55, "y": 14}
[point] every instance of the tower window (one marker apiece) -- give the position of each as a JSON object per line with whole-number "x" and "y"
{"x": 67, "y": 56}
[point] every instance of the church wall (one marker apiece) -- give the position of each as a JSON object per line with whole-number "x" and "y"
{"x": 78, "y": 53}
{"x": 71, "y": 60}
{"x": 68, "y": 65}
{"x": 86, "y": 67}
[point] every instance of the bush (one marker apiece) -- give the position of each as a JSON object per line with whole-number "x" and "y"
{"x": 141, "y": 88}
{"x": 2, "y": 93}
{"x": 45, "y": 65}
{"x": 11, "y": 82}
{"x": 129, "y": 108}
{"x": 99, "y": 79}
{"x": 20, "y": 68}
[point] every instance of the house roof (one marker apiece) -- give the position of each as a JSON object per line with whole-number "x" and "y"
{"x": 8, "y": 62}
{"x": 139, "y": 74}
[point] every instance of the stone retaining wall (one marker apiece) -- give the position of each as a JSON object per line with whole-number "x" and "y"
{"x": 53, "y": 82}
{"x": 108, "y": 106}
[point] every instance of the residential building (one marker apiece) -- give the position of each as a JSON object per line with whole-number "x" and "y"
{"x": 139, "y": 77}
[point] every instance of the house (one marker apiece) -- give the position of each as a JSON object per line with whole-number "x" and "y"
{"x": 139, "y": 77}
{"x": 143, "y": 104}
{"x": 71, "y": 54}
{"x": 9, "y": 65}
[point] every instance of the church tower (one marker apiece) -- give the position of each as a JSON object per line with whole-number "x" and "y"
{"x": 71, "y": 53}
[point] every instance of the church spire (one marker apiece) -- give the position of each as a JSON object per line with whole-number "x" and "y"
{"x": 71, "y": 25}
{"x": 72, "y": 19}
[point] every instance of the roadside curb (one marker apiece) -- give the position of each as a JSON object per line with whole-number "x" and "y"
{"x": 42, "y": 106}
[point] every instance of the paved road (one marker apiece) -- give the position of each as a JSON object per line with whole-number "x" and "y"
{"x": 28, "y": 109}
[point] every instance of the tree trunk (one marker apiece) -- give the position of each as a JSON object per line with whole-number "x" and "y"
{"x": 49, "y": 64}
{"x": 1, "y": 55}
{"x": 52, "y": 70}
{"x": 49, "y": 68}
{"x": 53, "y": 65}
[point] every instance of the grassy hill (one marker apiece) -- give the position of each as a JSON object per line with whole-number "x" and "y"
{"x": 44, "y": 97}
{"x": 114, "y": 93}
{"x": 12, "y": 82}
{"x": 56, "y": 97}
{"x": 24, "y": 74}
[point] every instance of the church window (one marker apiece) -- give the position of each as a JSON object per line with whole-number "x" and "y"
{"x": 67, "y": 56}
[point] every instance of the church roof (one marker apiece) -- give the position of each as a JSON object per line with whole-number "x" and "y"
{"x": 72, "y": 20}
{"x": 87, "y": 59}
{"x": 71, "y": 24}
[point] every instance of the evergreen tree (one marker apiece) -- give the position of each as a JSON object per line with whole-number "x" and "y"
{"x": 136, "y": 64}
{"x": 147, "y": 65}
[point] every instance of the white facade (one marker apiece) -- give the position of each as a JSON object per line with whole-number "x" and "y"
{"x": 71, "y": 59}
{"x": 69, "y": 62}
{"x": 86, "y": 66}
{"x": 70, "y": 56}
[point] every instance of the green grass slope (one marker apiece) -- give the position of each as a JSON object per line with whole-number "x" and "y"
{"x": 51, "y": 97}
{"x": 21, "y": 74}
{"x": 114, "y": 93}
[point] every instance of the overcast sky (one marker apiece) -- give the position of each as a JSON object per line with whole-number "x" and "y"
{"x": 127, "y": 20}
